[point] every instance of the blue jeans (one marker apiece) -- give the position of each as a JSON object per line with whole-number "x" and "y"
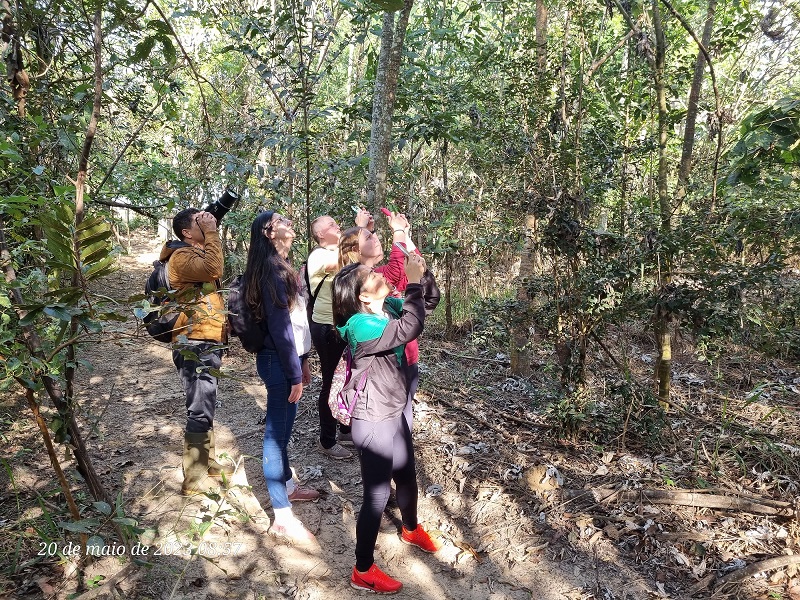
{"x": 278, "y": 427}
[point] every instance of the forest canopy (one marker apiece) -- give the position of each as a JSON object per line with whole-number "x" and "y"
{"x": 567, "y": 167}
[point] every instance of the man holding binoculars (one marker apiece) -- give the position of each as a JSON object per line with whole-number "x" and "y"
{"x": 194, "y": 267}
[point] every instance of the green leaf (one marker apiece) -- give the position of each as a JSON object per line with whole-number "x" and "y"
{"x": 30, "y": 317}
{"x": 169, "y": 50}
{"x": 125, "y": 521}
{"x": 143, "y": 49}
{"x": 141, "y": 313}
{"x": 61, "y": 313}
{"x": 159, "y": 26}
{"x": 96, "y": 255}
{"x": 84, "y": 526}
{"x": 96, "y": 541}
{"x": 103, "y": 507}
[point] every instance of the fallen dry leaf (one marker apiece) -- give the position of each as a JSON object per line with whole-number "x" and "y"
{"x": 44, "y": 585}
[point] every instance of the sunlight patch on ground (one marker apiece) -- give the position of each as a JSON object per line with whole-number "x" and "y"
{"x": 147, "y": 258}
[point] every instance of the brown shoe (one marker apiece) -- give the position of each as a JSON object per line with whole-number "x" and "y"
{"x": 301, "y": 494}
{"x": 336, "y": 451}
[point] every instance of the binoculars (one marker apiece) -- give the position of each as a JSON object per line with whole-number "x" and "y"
{"x": 220, "y": 207}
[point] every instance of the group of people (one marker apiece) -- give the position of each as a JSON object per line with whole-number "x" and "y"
{"x": 349, "y": 299}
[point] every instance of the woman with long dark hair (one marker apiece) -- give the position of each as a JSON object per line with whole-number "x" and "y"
{"x": 271, "y": 292}
{"x": 377, "y": 328}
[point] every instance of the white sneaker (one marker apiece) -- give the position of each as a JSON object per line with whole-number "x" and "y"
{"x": 292, "y": 531}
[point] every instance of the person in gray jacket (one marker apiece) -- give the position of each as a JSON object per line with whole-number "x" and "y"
{"x": 377, "y": 328}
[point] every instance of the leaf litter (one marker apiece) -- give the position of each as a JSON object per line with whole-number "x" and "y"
{"x": 482, "y": 438}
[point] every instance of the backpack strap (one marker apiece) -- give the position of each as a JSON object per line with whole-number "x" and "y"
{"x": 166, "y": 273}
{"x": 316, "y": 291}
{"x": 308, "y": 279}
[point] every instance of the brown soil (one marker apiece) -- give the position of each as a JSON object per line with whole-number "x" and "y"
{"x": 502, "y": 540}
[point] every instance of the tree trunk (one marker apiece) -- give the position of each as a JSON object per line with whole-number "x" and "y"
{"x": 448, "y": 295}
{"x": 661, "y": 318}
{"x": 691, "y": 111}
{"x": 541, "y": 35}
{"x": 15, "y": 68}
{"x": 380, "y": 140}
{"x": 520, "y": 350}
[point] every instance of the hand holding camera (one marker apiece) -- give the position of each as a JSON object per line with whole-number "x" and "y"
{"x": 398, "y": 221}
{"x": 206, "y": 222}
{"x": 364, "y": 218}
{"x": 415, "y": 268}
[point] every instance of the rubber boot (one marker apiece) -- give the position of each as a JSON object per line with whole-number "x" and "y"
{"x": 196, "y": 447}
{"x": 216, "y": 469}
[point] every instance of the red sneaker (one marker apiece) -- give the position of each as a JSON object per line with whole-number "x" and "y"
{"x": 420, "y": 538}
{"x": 374, "y": 580}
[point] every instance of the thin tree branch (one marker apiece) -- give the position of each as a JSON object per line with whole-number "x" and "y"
{"x": 717, "y": 101}
{"x": 600, "y": 62}
{"x": 127, "y": 145}
{"x": 771, "y": 564}
{"x": 142, "y": 210}
{"x": 190, "y": 62}
{"x": 682, "y": 498}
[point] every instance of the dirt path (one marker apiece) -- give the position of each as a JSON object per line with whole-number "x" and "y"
{"x": 501, "y": 540}
{"x": 491, "y": 548}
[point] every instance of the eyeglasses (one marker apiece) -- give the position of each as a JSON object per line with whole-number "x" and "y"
{"x": 278, "y": 221}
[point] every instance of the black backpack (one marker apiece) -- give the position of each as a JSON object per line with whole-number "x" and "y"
{"x": 160, "y": 319}
{"x": 241, "y": 321}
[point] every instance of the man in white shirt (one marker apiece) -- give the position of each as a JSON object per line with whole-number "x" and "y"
{"x": 321, "y": 266}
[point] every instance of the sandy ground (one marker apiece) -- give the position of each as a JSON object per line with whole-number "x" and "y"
{"x": 501, "y": 541}
{"x": 134, "y": 395}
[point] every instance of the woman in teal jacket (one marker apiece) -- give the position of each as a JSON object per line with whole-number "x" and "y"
{"x": 377, "y": 328}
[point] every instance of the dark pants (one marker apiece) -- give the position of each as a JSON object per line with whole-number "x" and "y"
{"x": 199, "y": 385}
{"x": 329, "y": 347}
{"x": 386, "y": 453}
{"x": 412, "y": 380}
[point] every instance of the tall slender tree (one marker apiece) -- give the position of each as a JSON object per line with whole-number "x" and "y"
{"x": 393, "y": 37}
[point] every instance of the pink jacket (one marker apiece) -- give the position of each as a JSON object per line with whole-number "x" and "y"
{"x": 395, "y": 273}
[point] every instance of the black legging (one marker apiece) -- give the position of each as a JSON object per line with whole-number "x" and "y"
{"x": 329, "y": 347}
{"x": 386, "y": 452}
{"x": 412, "y": 380}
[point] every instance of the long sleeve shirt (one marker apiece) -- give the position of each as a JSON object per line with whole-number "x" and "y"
{"x": 280, "y": 333}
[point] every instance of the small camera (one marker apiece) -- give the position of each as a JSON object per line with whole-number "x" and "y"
{"x": 220, "y": 207}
